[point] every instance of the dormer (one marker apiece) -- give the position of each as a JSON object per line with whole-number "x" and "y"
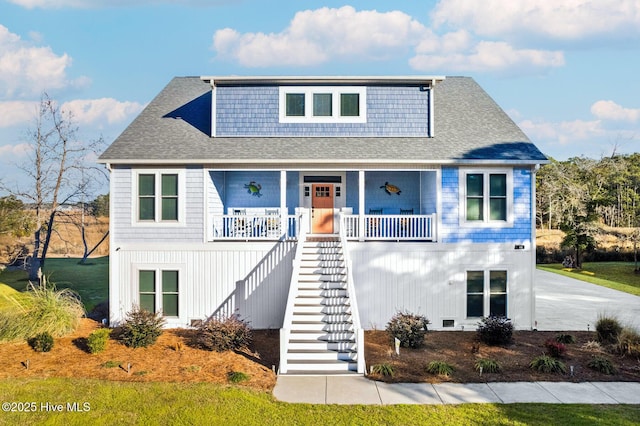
{"x": 322, "y": 106}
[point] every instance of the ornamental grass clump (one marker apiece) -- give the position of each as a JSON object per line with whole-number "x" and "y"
{"x": 548, "y": 364}
{"x": 41, "y": 309}
{"x": 441, "y": 368}
{"x": 409, "y": 328}
{"x": 607, "y": 329}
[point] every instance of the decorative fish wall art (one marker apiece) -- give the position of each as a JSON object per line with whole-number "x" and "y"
{"x": 391, "y": 189}
{"x": 253, "y": 188}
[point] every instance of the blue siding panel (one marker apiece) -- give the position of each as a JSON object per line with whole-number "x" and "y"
{"x": 452, "y": 232}
{"x": 236, "y": 195}
{"x": 377, "y": 198}
{"x": 254, "y": 111}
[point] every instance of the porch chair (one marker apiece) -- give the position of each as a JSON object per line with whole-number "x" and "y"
{"x": 405, "y": 223}
{"x": 374, "y": 223}
{"x": 239, "y": 224}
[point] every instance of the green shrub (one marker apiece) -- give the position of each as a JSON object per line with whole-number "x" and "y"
{"x": 223, "y": 334}
{"x": 441, "y": 368}
{"x": 42, "y": 308}
{"x": 566, "y": 338}
{"x": 111, "y": 364}
{"x": 141, "y": 328}
{"x": 384, "y": 369}
{"x": 607, "y": 329}
{"x": 602, "y": 364}
{"x": 97, "y": 340}
{"x": 409, "y": 328}
{"x": 484, "y": 365}
{"x": 628, "y": 342}
{"x": 495, "y": 330}
{"x": 555, "y": 348}
{"x": 548, "y": 364}
{"x": 237, "y": 377}
{"x": 42, "y": 342}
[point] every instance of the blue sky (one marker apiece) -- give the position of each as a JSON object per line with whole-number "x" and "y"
{"x": 566, "y": 71}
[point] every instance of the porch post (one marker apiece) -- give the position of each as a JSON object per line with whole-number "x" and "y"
{"x": 284, "y": 214}
{"x": 361, "y": 205}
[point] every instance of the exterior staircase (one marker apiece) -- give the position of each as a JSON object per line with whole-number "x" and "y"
{"x": 321, "y": 336}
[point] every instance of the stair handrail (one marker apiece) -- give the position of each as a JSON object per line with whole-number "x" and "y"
{"x": 351, "y": 292}
{"x": 303, "y": 229}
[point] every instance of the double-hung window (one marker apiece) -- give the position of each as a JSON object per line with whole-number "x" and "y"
{"x": 486, "y": 293}
{"x": 159, "y": 291}
{"x": 323, "y": 104}
{"x": 158, "y": 197}
{"x": 486, "y": 197}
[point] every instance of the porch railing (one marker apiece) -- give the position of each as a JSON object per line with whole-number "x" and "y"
{"x": 391, "y": 227}
{"x": 254, "y": 227}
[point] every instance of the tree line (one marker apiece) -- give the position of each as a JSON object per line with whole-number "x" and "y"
{"x": 584, "y": 189}
{"x": 581, "y": 196}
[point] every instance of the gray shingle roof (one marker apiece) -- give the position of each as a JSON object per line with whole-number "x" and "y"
{"x": 175, "y": 128}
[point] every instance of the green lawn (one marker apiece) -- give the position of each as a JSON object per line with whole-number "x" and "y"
{"x": 202, "y": 403}
{"x": 616, "y": 275}
{"x": 91, "y": 280}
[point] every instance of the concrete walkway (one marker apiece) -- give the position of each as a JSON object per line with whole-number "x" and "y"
{"x": 566, "y": 304}
{"x": 562, "y": 304}
{"x": 352, "y": 390}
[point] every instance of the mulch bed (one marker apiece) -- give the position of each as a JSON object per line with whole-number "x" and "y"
{"x": 174, "y": 359}
{"x": 462, "y": 350}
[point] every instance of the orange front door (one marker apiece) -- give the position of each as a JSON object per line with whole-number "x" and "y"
{"x": 322, "y": 208}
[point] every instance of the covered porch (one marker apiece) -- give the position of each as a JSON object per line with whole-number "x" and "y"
{"x": 395, "y": 205}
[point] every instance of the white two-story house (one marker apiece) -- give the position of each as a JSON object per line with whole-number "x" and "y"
{"x": 322, "y": 206}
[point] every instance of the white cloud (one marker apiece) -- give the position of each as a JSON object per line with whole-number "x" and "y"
{"x": 90, "y": 111}
{"x": 564, "y": 132}
{"x": 13, "y": 113}
{"x": 26, "y": 70}
{"x": 609, "y": 110}
{"x": 316, "y": 36}
{"x": 564, "y": 20}
{"x": 12, "y": 152}
{"x": 489, "y": 56}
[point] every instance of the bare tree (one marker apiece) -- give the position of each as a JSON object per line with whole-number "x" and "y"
{"x": 56, "y": 171}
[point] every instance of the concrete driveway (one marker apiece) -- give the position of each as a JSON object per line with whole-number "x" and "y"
{"x": 564, "y": 303}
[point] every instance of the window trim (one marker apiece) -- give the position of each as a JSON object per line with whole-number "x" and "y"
{"x": 486, "y": 222}
{"x": 486, "y": 291}
{"x": 336, "y": 113}
{"x": 135, "y": 197}
{"x": 159, "y": 293}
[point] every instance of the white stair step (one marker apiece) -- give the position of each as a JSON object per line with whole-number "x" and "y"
{"x": 327, "y": 336}
{"x": 303, "y": 277}
{"x": 321, "y": 257}
{"x": 317, "y": 263}
{"x": 322, "y": 355}
{"x": 322, "y": 285}
{"x": 318, "y": 300}
{"x": 295, "y": 365}
{"x": 320, "y": 317}
{"x": 304, "y": 326}
{"x": 321, "y": 292}
{"x": 322, "y": 270}
{"x": 321, "y": 309}
{"x": 319, "y": 345}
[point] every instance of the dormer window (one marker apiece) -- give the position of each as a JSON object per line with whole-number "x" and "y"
{"x": 323, "y": 104}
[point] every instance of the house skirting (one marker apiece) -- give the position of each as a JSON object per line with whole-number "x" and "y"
{"x": 252, "y": 279}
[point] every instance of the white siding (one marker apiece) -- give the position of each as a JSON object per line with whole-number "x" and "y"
{"x": 251, "y": 279}
{"x": 125, "y": 230}
{"x": 429, "y": 279}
